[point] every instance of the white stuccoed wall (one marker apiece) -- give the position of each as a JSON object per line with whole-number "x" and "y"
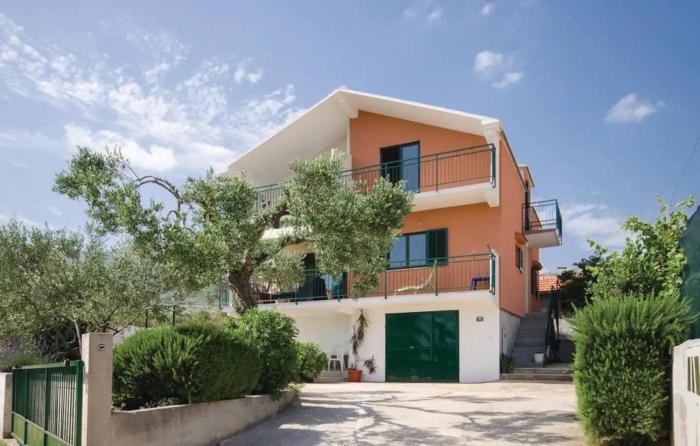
{"x": 5, "y": 405}
{"x": 331, "y": 331}
{"x": 686, "y": 396}
{"x": 509, "y": 330}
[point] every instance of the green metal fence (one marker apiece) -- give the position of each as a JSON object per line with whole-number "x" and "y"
{"x": 47, "y": 404}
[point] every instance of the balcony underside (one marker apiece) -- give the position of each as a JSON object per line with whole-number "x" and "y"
{"x": 544, "y": 238}
{"x": 349, "y": 305}
{"x": 456, "y": 196}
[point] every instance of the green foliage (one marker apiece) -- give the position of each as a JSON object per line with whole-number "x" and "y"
{"x": 652, "y": 260}
{"x": 26, "y": 355}
{"x": 214, "y": 226}
{"x": 622, "y": 365}
{"x": 358, "y": 335}
{"x": 349, "y": 226}
{"x": 56, "y": 285}
{"x": 273, "y": 335}
{"x": 310, "y": 361}
{"x": 189, "y": 363}
{"x": 507, "y": 363}
{"x": 576, "y": 282}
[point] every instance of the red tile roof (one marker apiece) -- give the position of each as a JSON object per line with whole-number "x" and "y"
{"x": 548, "y": 282}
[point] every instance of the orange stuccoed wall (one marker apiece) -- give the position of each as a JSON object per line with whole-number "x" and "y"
{"x": 470, "y": 228}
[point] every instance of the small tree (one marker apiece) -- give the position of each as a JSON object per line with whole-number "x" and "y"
{"x": 575, "y": 282}
{"x": 55, "y": 285}
{"x": 215, "y": 225}
{"x": 652, "y": 260}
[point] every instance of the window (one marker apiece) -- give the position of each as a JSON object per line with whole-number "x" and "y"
{"x": 419, "y": 249}
{"x": 519, "y": 258}
{"x": 402, "y": 162}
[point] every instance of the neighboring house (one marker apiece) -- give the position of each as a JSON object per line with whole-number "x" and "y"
{"x": 465, "y": 269}
{"x": 690, "y": 241}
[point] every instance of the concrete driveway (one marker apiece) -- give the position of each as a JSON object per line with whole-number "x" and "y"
{"x": 500, "y": 413}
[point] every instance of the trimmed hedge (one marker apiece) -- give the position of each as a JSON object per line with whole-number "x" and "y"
{"x": 310, "y": 361}
{"x": 273, "y": 335}
{"x": 189, "y": 363}
{"x": 622, "y": 367}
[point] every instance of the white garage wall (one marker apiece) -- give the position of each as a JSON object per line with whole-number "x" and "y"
{"x": 509, "y": 330}
{"x": 478, "y": 341}
{"x": 331, "y": 331}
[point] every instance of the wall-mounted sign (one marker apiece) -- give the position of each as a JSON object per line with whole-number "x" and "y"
{"x": 480, "y": 318}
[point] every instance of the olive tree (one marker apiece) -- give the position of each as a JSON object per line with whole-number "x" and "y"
{"x": 215, "y": 225}
{"x": 56, "y": 285}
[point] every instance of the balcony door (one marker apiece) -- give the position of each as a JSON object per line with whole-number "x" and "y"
{"x": 402, "y": 162}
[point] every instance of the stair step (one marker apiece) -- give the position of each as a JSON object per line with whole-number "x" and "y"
{"x": 536, "y": 377}
{"x": 331, "y": 376}
{"x": 543, "y": 370}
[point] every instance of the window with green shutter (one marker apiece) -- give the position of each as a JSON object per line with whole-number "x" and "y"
{"x": 419, "y": 249}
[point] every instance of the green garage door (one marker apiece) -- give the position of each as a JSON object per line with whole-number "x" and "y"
{"x": 422, "y": 346}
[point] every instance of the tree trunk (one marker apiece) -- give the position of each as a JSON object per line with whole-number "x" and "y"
{"x": 243, "y": 293}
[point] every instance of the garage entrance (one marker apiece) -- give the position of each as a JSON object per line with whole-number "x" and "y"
{"x": 422, "y": 347}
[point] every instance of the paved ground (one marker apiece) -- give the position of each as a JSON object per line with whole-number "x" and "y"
{"x": 501, "y": 413}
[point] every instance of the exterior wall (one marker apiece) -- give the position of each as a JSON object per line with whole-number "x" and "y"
{"x": 471, "y": 229}
{"x": 509, "y": 330}
{"x": 534, "y": 303}
{"x": 5, "y": 405}
{"x": 478, "y": 341}
{"x": 331, "y": 331}
{"x": 686, "y": 394}
{"x": 194, "y": 424}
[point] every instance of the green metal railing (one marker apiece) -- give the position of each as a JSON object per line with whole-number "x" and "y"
{"x": 542, "y": 216}
{"x": 429, "y": 173}
{"x": 47, "y": 404}
{"x": 460, "y": 273}
{"x": 551, "y": 328}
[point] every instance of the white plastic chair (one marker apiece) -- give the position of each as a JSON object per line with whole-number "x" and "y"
{"x": 335, "y": 358}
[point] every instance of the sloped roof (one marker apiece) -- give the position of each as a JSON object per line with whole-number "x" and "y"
{"x": 548, "y": 282}
{"x": 325, "y": 123}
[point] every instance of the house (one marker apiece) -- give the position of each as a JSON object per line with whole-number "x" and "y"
{"x": 464, "y": 270}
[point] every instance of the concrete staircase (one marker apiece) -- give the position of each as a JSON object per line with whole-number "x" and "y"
{"x": 530, "y": 340}
{"x": 551, "y": 373}
{"x": 331, "y": 376}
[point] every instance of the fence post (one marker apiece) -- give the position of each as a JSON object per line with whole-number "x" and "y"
{"x": 96, "y": 352}
{"x": 5, "y": 405}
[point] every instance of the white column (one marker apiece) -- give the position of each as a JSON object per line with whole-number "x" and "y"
{"x": 5, "y": 405}
{"x": 96, "y": 352}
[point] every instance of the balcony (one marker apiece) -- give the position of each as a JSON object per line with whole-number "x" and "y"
{"x": 542, "y": 224}
{"x": 476, "y": 272}
{"x": 454, "y": 178}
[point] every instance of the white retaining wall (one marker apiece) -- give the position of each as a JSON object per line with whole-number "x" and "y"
{"x": 509, "y": 330}
{"x": 194, "y": 424}
{"x": 686, "y": 394}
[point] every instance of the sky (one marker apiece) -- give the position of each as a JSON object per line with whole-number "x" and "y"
{"x": 599, "y": 98}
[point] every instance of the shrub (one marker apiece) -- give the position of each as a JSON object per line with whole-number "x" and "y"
{"x": 622, "y": 366}
{"x": 507, "y": 363}
{"x": 273, "y": 335}
{"x": 22, "y": 357}
{"x": 310, "y": 361}
{"x": 185, "y": 364}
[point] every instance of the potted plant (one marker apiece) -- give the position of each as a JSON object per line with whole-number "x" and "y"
{"x": 358, "y": 338}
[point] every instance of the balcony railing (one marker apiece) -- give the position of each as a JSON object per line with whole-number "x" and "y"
{"x": 430, "y": 173}
{"x": 462, "y": 273}
{"x": 542, "y": 216}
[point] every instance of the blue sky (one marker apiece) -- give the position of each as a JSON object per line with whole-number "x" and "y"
{"x": 601, "y": 99}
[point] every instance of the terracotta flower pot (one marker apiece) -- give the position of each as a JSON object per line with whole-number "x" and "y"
{"x": 354, "y": 375}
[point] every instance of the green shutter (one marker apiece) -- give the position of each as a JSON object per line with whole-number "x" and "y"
{"x": 437, "y": 246}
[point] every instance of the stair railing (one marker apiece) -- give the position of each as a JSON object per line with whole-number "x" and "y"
{"x": 551, "y": 329}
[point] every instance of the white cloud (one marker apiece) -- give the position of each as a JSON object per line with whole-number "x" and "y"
{"x": 20, "y": 165}
{"x": 487, "y": 62}
{"x": 631, "y": 109}
{"x": 54, "y": 210}
{"x": 161, "y": 122}
{"x": 5, "y": 219}
{"x": 488, "y": 9}
{"x": 593, "y": 221}
{"x": 509, "y": 78}
{"x": 425, "y": 10}
{"x": 435, "y": 15}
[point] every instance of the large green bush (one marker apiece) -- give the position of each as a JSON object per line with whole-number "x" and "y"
{"x": 622, "y": 366}
{"x": 310, "y": 361}
{"x": 185, "y": 364}
{"x": 273, "y": 334}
